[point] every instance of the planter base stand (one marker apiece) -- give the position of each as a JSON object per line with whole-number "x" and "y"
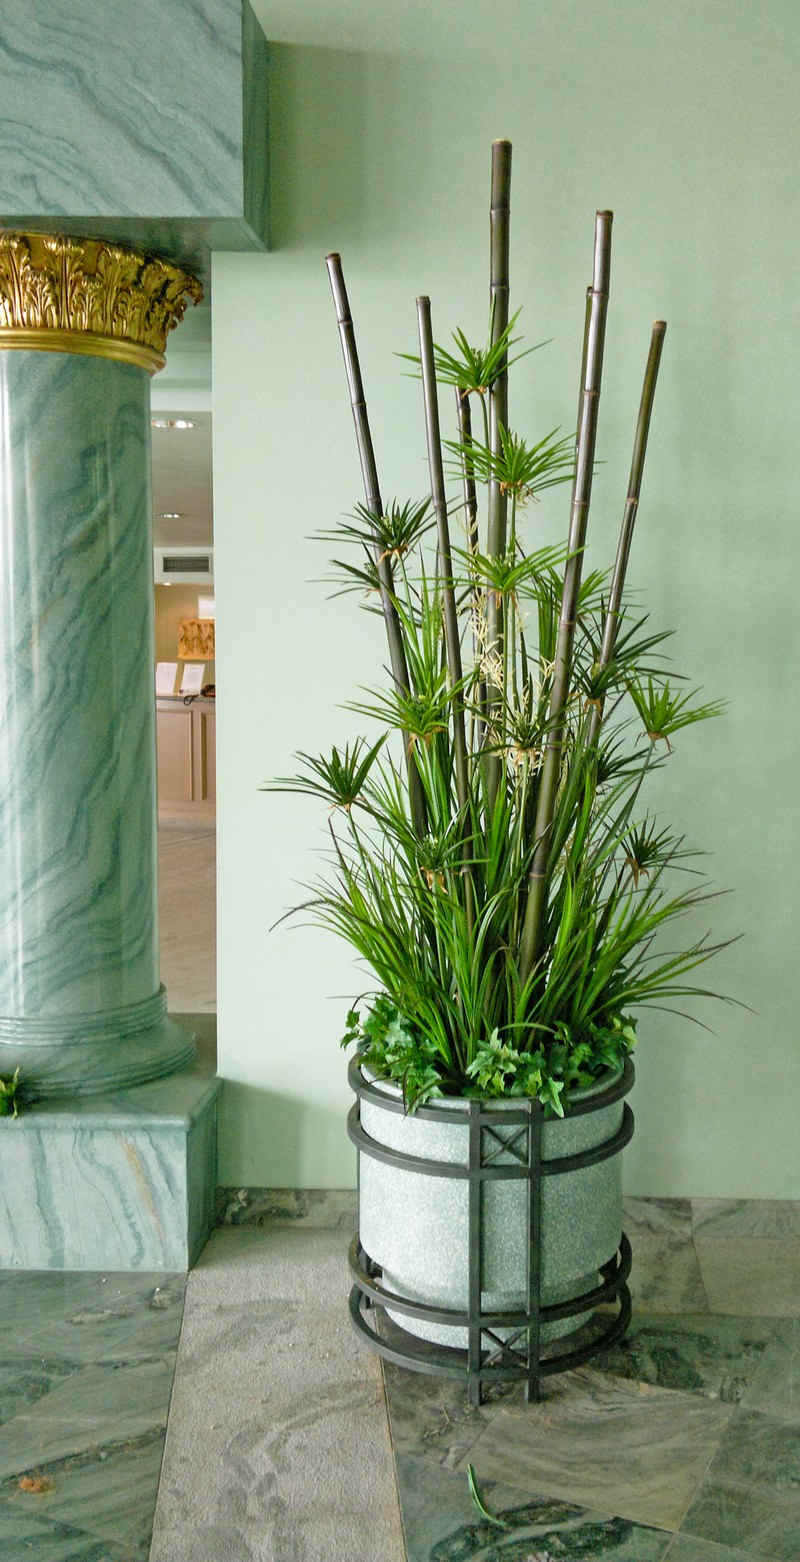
{"x": 504, "y": 1351}
{"x": 500, "y": 1346}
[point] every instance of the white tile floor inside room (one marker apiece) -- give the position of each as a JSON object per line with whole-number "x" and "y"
{"x": 232, "y": 1416}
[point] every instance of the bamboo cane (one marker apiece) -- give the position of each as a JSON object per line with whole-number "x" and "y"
{"x": 464, "y": 417}
{"x": 369, "y": 471}
{"x": 611, "y": 620}
{"x": 499, "y": 237}
{"x": 451, "y": 627}
{"x": 533, "y": 926}
{"x": 586, "y": 322}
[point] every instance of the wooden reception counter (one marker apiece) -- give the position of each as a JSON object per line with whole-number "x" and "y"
{"x": 186, "y": 746}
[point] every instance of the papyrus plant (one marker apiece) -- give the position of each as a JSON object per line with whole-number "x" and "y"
{"x": 492, "y": 862}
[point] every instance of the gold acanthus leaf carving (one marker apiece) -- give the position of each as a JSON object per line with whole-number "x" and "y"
{"x": 54, "y": 283}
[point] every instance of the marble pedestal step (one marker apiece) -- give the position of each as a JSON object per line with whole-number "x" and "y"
{"x": 123, "y": 1182}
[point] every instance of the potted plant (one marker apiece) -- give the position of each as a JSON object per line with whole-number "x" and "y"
{"x": 492, "y": 862}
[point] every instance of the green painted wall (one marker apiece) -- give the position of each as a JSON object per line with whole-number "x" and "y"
{"x": 684, "y": 121}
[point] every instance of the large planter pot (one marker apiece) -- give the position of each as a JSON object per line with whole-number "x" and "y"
{"x": 547, "y": 1230}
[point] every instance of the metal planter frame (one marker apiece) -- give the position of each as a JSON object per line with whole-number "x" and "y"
{"x": 518, "y": 1356}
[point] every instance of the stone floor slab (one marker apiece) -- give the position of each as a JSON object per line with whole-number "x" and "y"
{"x": 746, "y": 1218}
{"x": 751, "y": 1494}
{"x": 734, "y": 1360}
{"x": 250, "y": 1263}
{"x": 751, "y": 1276}
{"x": 80, "y": 1318}
{"x": 687, "y": 1548}
{"x": 666, "y": 1275}
{"x": 25, "y": 1536}
{"x": 442, "y": 1524}
{"x": 86, "y": 1365}
{"x": 294, "y": 1462}
{"x": 628, "y": 1449}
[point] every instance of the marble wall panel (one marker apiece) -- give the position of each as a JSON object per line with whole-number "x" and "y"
{"x": 144, "y": 123}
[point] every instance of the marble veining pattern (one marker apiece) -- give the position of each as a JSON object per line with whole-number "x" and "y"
{"x": 119, "y": 129}
{"x": 86, "y": 1369}
{"x": 688, "y": 1433}
{"x": 682, "y": 1442}
{"x": 441, "y": 1524}
{"x": 78, "y": 865}
{"x": 124, "y": 1180}
{"x": 79, "y": 961}
{"x": 294, "y": 1464}
{"x": 656, "y": 1445}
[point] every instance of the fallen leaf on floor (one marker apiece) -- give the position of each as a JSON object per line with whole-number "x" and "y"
{"x": 36, "y": 1483}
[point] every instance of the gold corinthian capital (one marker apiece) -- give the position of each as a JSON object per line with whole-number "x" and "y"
{"x": 68, "y": 295}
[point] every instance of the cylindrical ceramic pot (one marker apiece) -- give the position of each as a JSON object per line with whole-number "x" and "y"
{"x": 416, "y": 1227}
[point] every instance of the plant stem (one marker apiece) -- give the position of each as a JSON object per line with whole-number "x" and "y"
{"x": 611, "y": 620}
{"x": 586, "y": 323}
{"x": 499, "y": 232}
{"x": 451, "y": 626}
{"x": 369, "y": 471}
{"x": 533, "y": 926}
{"x": 464, "y": 416}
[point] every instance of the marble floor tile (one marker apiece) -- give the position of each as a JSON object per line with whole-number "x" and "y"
{"x": 775, "y": 1387}
{"x": 746, "y": 1218}
{"x": 431, "y": 1417}
{"x": 27, "y": 1379}
{"x": 27, "y": 1538}
{"x": 751, "y": 1276}
{"x": 295, "y": 1461}
{"x": 687, "y": 1548}
{"x": 255, "y": 1263}
{"x": 86, "y": 1368}
{"x": 751, "y": 1494}
{"x": 726, "y": 1358}
{"x": 187, "y": 911}
{"x": 669, "y": 1219}
{"x": 108, "y": 1495}
{"x": 442, "y": 1524}
{"x": 666, "y": 1275}
{"x": 624, "y": 1448}
{"x": 95, "y": 1406}
{"x": 86, "y": 1317}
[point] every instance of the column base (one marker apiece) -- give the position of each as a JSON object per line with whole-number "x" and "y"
{"x": 124, "y": 1181}
{"x": 90, "y": 1067}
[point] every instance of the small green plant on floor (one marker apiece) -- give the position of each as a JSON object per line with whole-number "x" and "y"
{"x": 492, "y": 862}
{"x": 9, "y": 1094}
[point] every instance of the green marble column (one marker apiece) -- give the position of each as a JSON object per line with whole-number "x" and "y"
{"x": 82, "y": 1010}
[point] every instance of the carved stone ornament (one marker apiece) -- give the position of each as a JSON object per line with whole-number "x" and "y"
{"x": 85, "y": 296}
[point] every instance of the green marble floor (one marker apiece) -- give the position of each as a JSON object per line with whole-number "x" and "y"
{"x": 682, "y": 1444}
{"x": 86, "y": 1369}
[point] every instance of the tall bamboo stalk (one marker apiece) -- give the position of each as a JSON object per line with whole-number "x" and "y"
{"x": 372, "y": 493}
{"x": 533, "y": 926}
{"x": 586, "y": 322}
{"x": 451, "y": 627}
{"x": 464, "y": 417}
{"x": 499, "y": 239}
{"x": 611, "y": 620}
{"x": 452, "y": 633}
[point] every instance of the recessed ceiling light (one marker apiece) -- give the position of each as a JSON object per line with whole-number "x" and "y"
{"x": 170, "y": 515}
{"x": 171, "y": 423}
